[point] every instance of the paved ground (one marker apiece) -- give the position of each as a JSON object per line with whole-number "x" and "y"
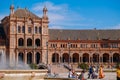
{"x": 108, "y": 76}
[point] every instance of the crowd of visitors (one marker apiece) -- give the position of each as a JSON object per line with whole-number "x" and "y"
{"x": 94, "y": 72}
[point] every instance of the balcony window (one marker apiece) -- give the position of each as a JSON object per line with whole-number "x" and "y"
{"x": 29, "y": 29}
{"x": 19, "y": 29}
{"x": 40, "y": 29}
{"x": 114, "y": 45}
{"x": 36, "y": 29}
{"x": 23, "y": 29}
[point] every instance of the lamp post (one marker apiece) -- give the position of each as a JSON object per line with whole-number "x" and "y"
{"x": 110, "y": 57}
{"x": 47, "y": 53}
{"x": 60, "y": 56}
{"x": 97, "y": 55}
{"x": 69, "y": 52}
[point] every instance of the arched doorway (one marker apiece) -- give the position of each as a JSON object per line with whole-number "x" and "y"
{"x": 105, "y": 57}
{"x": 85, "y": 57}
{"x": 37, "y": 57}
{"x": 20, "y": 58}
{"x": 116, "y": 57}
{"x": 96, "y": 57}
{"x": 29, "y": 58}
{"x": 75, "y": 57}
{"x": 65, "y": 57}
{"x": 55, "y": 57}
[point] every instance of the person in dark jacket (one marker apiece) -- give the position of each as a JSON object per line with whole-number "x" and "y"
{"x": 90, "y": 72}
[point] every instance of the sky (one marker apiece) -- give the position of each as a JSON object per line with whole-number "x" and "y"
{"x": 71, "y": 14}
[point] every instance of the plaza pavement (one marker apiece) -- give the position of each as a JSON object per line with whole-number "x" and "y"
{"x": 108, "y": 76}
{"x": 62, "y": 72}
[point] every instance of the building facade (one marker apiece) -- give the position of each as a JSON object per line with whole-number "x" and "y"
{"x": 25, "y": 37}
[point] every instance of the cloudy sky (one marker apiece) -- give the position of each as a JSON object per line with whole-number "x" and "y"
{"x": 72, "y": 14}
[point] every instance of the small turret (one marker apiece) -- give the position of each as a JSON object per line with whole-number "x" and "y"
{"x": 11, "y": 9}
{"x": 45, "y": 12}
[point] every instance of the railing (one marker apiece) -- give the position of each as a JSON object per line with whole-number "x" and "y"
{"x": 29, "y": 47}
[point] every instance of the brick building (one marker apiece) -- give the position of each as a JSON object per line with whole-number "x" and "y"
{"x": 26, "y": 37}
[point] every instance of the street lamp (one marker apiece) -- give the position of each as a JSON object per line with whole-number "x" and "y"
{"x": 47, "y": 53}
{"x": 60, "y": 56}
{"x": 69, "y": 52}
{"x": 97, "y": 55}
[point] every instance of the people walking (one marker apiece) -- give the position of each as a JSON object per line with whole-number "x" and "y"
{"x": 81, "y": 76}
{"x": 70, "y": 74}
{"x": 94, "y": 73}
{"x": 90, "y": 72}
{"x": 118, "y": 72}
{"x": 49, "y": 69}
{"x": 101, "y": 73}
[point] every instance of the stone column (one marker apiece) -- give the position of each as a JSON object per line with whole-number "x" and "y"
{"x": 59, "y": 59}
{"x": 25, "y": 57}
{"x": 33, "y": 58}
{"x": 89, "y": 58}
{"x": 71, "y": 61}
{"x": 99, "y": 59}
{"x": 112, "y": 59}
{"x": 79, "y": 59}
{"x": 17, "y": 57}
{"x": 25, "y": 36}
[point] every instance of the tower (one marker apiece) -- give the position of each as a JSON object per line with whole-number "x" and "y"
{"x": 45, "y": 12}
{"x": 12, "y": 37}
{"x": 11, "y": 9}
{"x": 45, "y": 35}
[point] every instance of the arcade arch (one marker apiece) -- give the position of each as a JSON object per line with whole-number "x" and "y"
{"x": 85, "y": 57}
{"x": 75, "y": 57}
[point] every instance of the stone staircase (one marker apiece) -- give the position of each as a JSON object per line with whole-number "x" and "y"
{"x": 58, "y": 68}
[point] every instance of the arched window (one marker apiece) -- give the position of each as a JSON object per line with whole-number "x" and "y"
{"x": 35, "y": 29}
{"x": 29, "y": 30}
{"x": 19, "y": 29}
{"x": 20, "y": 42}
{"x": 40, "y": 30}
{"x": 29, "y": 42}
{"x": 23, "y": 29}
{"x": 37, "y": 42}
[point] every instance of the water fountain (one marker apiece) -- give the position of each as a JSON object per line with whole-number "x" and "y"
{"x": 22, "y": 71}
{"x": 19, "y": 72}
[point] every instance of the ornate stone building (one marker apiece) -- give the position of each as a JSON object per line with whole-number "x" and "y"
{"x": 25, "y": 37}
